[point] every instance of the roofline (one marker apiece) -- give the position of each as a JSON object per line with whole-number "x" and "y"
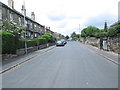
{"x": 3, "y": 5}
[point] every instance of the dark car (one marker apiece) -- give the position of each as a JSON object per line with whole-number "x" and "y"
{"x": 60, "y": 43}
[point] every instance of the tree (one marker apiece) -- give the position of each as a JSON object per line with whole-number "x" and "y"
{"x": 49, "y": 37}
{"x": 105, "y": 27}
{"x": 90, "y": 31}
{"x": 67, "y": 37}
{"x": 12, "y": 28}
{"x": 75, "y": 36}
{"x": 114, "y": 30}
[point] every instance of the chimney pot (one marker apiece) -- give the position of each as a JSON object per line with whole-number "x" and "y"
{"x": 22, "y": 10}
{"x": 32, "y": 16}
{"x": 11, "y": 4}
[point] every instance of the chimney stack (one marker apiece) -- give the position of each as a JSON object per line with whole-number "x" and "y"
{"x": 49, "y": 28}
{"x": 22, "y": 10}
{"x": 11, "y": 4}
{"x": 33, "y": 16}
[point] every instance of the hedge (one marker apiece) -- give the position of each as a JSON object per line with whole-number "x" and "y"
{"x": 8, "y": 42}
{"x": 31, "y": 42}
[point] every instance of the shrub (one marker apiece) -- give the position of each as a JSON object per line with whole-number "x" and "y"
{"x": 41, "y": 41}
{"x": 49, "y": 38}
{"x": 31, "y": 42}
{"x": 101, "y": 34}
{"x": 8, "y": 42}
{"x": 114, "y": 31}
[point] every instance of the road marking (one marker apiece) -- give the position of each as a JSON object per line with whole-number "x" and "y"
{"x": 25, "y": 61}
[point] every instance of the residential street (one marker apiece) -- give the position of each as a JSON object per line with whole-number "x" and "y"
{"x": 71, "y": 66}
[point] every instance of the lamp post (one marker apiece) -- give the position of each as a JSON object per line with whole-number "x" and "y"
{"x": 79, "y": 30}
{"x": 25, "y": 28}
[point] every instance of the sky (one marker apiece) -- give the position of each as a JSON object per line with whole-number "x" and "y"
{"x": 67, "y": 16}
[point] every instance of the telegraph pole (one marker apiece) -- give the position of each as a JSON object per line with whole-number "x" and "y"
{"x": 25, "y": 28}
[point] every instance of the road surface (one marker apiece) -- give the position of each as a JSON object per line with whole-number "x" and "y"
{"x": 71, "y": 66}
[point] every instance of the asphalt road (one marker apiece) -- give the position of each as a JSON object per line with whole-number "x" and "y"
{"x": 71, "y": 66}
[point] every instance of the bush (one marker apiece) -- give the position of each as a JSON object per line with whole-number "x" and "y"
{"x": 8, "y": 42}
{"x": 49, "y": 38}
{"x": 114, "y": 31}
{"x": 31, "y": 42}
{"x": 101, "y": 34}
{"x": 41, "y": 41}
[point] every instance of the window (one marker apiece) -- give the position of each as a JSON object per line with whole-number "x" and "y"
{"x": 19, "y": 20}
{"x": 0, "y": 14}
{"x": 31, "y": 25}
{"x": 11, "y": 16}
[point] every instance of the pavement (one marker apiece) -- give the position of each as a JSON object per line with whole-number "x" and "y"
{"x": 21, "y": 59}
{"x": 71, "y": 66}
{"x": 109, "y": 55}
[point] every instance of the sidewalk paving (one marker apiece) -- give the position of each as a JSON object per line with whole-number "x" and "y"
{"x": 106, "y": 54}
{"x": 8, "y": 63}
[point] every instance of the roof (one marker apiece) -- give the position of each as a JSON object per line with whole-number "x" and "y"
{"x": 13, "y": 10}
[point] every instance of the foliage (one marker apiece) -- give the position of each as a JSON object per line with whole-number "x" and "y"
{"x": 101, "y": 34}
{"x": 49, "y": 38}
{"x": 8, "y": 42}
{"x": 75, "y": 36}
{"x": 67, "y": 37}
{"x": 90, "y": 31}
{"x": 31, "y": 42}
{"x": 105, "y": 27}
{"x": 13, "y": 28}
{"x": 114, "y": 31}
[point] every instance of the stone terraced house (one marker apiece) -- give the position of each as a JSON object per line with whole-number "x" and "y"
{"x": 33, "y": 28}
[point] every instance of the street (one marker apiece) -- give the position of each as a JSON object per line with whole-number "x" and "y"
{"x": 71, "y": 66}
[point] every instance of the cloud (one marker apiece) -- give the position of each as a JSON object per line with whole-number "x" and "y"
{"x": 54, "y": 17}
{"x": 99, "y": 20}
{"x": 62, "y": 25}
{"x": 64, "y": 16}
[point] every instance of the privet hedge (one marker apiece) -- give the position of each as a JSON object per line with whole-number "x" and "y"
{"x": 8, "y": 42}
{"x": 31, "y": 42}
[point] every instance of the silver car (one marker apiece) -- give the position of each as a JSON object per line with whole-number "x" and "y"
{"x": 60, "y": 43}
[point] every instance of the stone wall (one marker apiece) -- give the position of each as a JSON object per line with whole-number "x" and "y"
{"x": 114, "y": 44}
{"x": 92, "y": 41}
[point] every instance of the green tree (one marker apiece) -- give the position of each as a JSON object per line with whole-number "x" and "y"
{"x": 12, "y": 28}
{"x": 114, "y": 30}
{"x": 105, "y": 27}
{"x": 75, "y": 36}
{"x": 49, "y": 37}
{"x": 90, "y": 31}
{"x": 67, "y": 37}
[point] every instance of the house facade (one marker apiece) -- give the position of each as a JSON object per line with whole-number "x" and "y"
{"x": 33, "y": 29}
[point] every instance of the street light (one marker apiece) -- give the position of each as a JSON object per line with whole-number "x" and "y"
{"x": 25, "y": 27}
{"x": 79, "y": 30}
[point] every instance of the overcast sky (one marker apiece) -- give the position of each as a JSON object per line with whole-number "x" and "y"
{"x": 64, "y": 16}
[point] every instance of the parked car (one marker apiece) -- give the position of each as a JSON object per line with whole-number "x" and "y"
{"x": 60, "y": 43}
{"x": 64, "y": 41}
